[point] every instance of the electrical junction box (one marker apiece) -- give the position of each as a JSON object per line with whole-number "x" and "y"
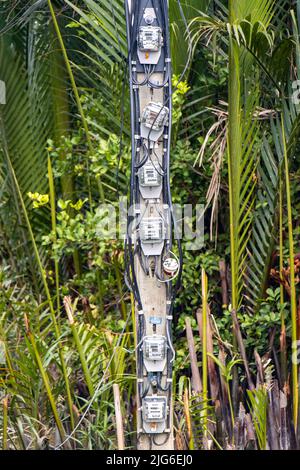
{"x": 152, "y": 232}
{"x": 154, "y": 414}
{"x": 155, "y": 353}
{"x": 154, "y": 118}
{"x": 149, "y": 15}
{"x": 150, "y": 182}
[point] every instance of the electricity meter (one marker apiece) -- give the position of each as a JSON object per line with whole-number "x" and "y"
{"x": 152, "y": 234}
{"x": 151, "y": 230}
{"x": 149, "y": 176}
{"x": 155, "y": 116}
{"x": 150, "y": 181}
{"x": 155, "y": 348}
{"x": 170, "y": 266}
{"x": 154, "y": 409}
{"x": 150, "y": 38}
{"x": 155, "y": 353}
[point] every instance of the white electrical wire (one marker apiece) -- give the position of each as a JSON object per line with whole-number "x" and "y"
{"x": 131, "y": 351}
{"x": 170, "y": 342}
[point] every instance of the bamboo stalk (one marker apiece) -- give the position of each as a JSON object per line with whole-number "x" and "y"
{"x": 204, "y": 350}
{"x": 5, "y": 422}
{"x": 119, "y": 285}
{"x": 234, "y": 159}
{"x": 119, "y": 419}
{"x": 240, "y": 342}
{"x": 186, "y": 407}
{"x": 211, "y": 368}
{"x": 224, "y": 287}
{"x": 283, "y": 356}
{"x": 196, "y": 378}
{"x": 292, "y": 283}
{"x": 234, "y": 153}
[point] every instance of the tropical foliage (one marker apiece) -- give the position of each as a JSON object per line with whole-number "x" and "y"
{"x": 66, "y": 316}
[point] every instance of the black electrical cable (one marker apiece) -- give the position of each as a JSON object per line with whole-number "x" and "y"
{"x": 122, "y": 120}
{"x": 132, "y": 177}
{"x": 160, "y": 387}
{"x": 159, "y": 444}
{"x": 144, "y": 160}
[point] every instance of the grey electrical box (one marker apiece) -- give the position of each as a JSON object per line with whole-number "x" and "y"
{"x": 152, "y": 233}
{"x": 150, "y": 181}
{"x": 154, "y": 413}
{"x": 154, "y": 117}
{"x": 155, "y": 353}
{"x": 151, "y": 230}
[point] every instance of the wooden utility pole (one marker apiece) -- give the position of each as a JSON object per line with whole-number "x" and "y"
{"x": 152, "y": 263}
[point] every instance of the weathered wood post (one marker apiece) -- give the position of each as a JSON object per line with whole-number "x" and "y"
{"x": 151, "y": 265}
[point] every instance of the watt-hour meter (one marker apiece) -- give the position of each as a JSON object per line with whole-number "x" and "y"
{"x": 170, "y": 266}
{"x": 155, "y": 347}
{"x": 150, "y": 38}
{"x": 155, "y": 116}
{"x": 154, "y": 409}
{"x": 151, "y": 230}
{"x": 152, "y": 235}
{"x": 150, "y": 181}
{"x": 155, "y": 353}
{"x": 148, "y": 176}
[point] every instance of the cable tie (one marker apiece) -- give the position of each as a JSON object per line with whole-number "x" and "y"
{"x": 141, "y": 312}
{"x": 135, "y": 87}
{"x": 166, "y": 136}
{"x": 168, "y": 59}
{"x": 137, "y": 136}
{"x": 169, "y": 317}
{"x": 165, "y": 150}
{"x": 133, "y": 62}
{"x": 140, "y": 380}
{"x": 170, "y": 380}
